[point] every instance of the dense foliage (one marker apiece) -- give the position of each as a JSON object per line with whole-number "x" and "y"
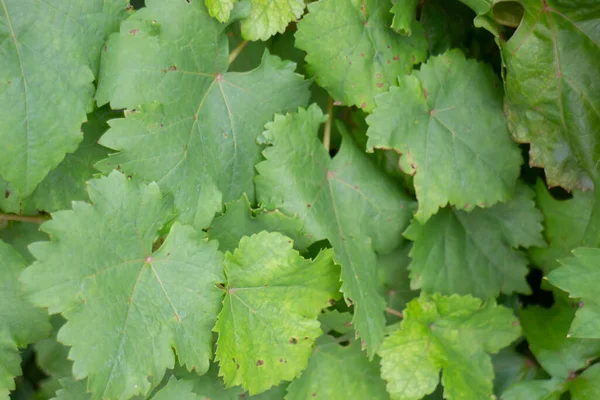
{"x": 330, "y": 199}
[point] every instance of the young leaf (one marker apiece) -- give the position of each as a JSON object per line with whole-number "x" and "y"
{"x": 220, "y": 9}
{"x": 353, "y": 51}
{"x": 268, "y": 17}
{"x": 579, "y": 275}
{"x": 269, "y": 319}
{"x": 565, "y": 225}
{"x": 447, "y": 121}
{"x": 346, "y": 200}
{"x": 476, "y": 253}
{"x": 337, "y": 372}
{"x": 552, "y": 101}
{"x": 195, "y": 133}
{"x": 20, "y": 322}
{"x": 240, "y": 220}
{"x": 50, "y": 54}
{"x": 405, "y": 12}
{"x": 126, "y": 306}
{"x": 453, "y": 334}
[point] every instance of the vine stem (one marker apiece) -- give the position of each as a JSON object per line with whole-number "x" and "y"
{"x": 397, "y": 313}
{"x": 236, "y": 52}
{"x": 23, "y": 218}
{"x": 327, "y": 131}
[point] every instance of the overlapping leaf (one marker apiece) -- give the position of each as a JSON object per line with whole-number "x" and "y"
{"x": 194, "y": 126}
{"x": 352, "y": 50}
{"x": 553, "y": 89}
{"x": 447, "y": 122}
{"x": 580, "y": 276}
{"x": 269, "y": 319}
{"x": 127, "y": 306}
{"x": 453, "y": 334}
{"x": 346, "y": 200}
{"x": 50, "y": 53}
{"x": 476, "y": 253}
{"x": 405, "y": 12}
{"x": 20, "y": 322}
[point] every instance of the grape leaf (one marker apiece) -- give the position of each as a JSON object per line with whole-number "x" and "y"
{"x": 553, "y": 89}
{"x": 51, "y": 53}
{"x": 476, "y": 253}
{"x": 346, "y": 200}
{"x": 269, "y": 319}
{"x": 511, "y": 367}
{"x": 352, "y": 50}
{"x": 240, "y": 220}
{"x": 451, "y": 132}
{"x": 404, "y": 15}
{"x": 220, "y": 9}
{"x": 579, "y": 276}
{"x": 393, "y": 274}
{"x": 565, "y": 225}
{"x": 20, "y": 235}
{"x": 587, "y": 385}
{"x": 550, "y": 389}
{"x": 447, "y": 25}
{"x": 337, "y": 372}
{"x": 51, "y": 358}
{"x": 546, "y": 332}
{"x": 268, "y": 17}
{"x": 195, "y": 125}
{"x": 126, "y": 307}
{"x": 20, "y": 322}
{"x": 454, "y": 334}
{"x": 10, "y": 200}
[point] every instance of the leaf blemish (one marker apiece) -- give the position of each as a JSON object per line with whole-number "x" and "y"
{"x": 293, "y": 340}
{"x": 259, "y": 363}
{"x": 134, "y": 31}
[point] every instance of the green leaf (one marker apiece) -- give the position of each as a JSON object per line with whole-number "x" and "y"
{"x": 122, "y": 301}
{"x": 565, "y": 225}
{"x": 352, "y": 50}
{"x": 393, "y": 274}
{"x": 269, "y": 319}
{"x": 195, "y": 125}
{"x": 535, "y": 390}
{"x": 52, "y": 358}
{"x": 337, "y": 372}
{"x": 546, "y": 332}
{"x": 447, "y": 121}
{"x": 220, "y": 9}
{"x": 580, "y": 276}
{"x": 511, "y": 367}
{"x": 454, "y": 334}
{"x": 476, "y": 253}
{"x": 447, "y": 25}
{"x": 587, "y": 385}
{"x": 346, "y": 200}
{"x": 268, "y": 17}
{"x": 404, "y": 15}
{"x": 20, "y": 235}
{"x": 51, "y": 53}
{"x": 553, "y": 89}
{"x": 333, "y": 320}
{"x": 20, "y": 322}
{"x": 240, "y": 220}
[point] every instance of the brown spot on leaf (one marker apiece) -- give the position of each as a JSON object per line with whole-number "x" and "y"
{"x": 332, "y": 302}
{"x": 260, "y": 362}
{"x": 425, "y": 93}
{"x": 380, "y": 85}
{"x": 134, "y": 31}
{"x": 308, "y": 205}
{"x": 349, "y": 301}
{"x": 363, "y": 105}
{"x": 6, "y": 194}
{"x": 294, "y": 340}
{"x": 397, "y": 57}
{"x": 362, "y": 54}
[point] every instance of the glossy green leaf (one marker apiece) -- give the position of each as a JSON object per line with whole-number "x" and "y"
{"x": 476, "y": 253}
{"x": 269, "y": 319}
{"x": 353, "y": 51}
{"x": 346, "y": 200}
{"x": 190, "y": 123}
{"x": 50, "y": 55}
{"x": 579, "y": 275}
{"x": 124, "y": 302}
{"x": 553, "y": 89}
{"x": 447, "y": 122}
{"x": 452, "y": 334}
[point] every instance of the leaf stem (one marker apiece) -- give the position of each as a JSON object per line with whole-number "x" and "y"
{"x": 23, "y": 218}
{"x": 236, "y": 52}
{"x": 397, "y": 313}
{"x": 327, "y": 132}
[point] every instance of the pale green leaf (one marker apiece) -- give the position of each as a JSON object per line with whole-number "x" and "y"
{"x": 453, "y": 334}
{"x": 346, "y": 200}
{"x": 269, "y": 319}
{"x": 447, "y": 121}
{"x": 240, "y": 220}
{"x": 50, "y": 53}
{"x": 337, "y": 372}
{"x": 195, "y": 125}
{"x": 405, "y": 13}
{"x": 565, "y": 225}
{"x": 127, "y": 306}
{"x": 220, "y": 9}
{"x": 20, "y": 322}
{"x": 353, "y": 51}
{"x": 477, "y": 252}
{"x": 580, "y": 276}
{"x": 333, "y": 320}
{"x": 553, "y": 89}
{"x": 268, "y": 17}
